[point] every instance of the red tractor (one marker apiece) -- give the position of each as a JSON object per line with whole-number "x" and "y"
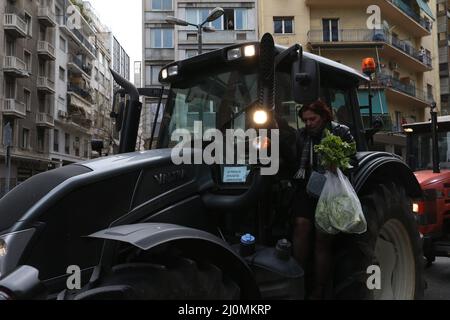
{"x": 428, "y": 150}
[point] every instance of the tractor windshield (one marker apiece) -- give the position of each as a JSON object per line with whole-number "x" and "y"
{"x": 421, "y": 150}
{"x": 217, "y": 101}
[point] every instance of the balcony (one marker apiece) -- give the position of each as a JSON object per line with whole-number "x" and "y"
{"x": 46, "y": 16}
{"x": 14, "y": 108}
{"x": 76, "y": 66}
{"x": 81, "y": 41}
{"x": 15, "y": 67}
{"x": 46, "y": 50}
{"x": 14, "y": 25}
{"x": 45, "y": 120}
{"x": 397, "y": 12}
{"x": 401, "y": 92}
{"x": 82, "y": 93}
{"x": 390, "y": 47}
{"x": 45, "y": 85}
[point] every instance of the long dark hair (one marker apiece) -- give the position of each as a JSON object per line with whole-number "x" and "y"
{"x": 318, "y": 107}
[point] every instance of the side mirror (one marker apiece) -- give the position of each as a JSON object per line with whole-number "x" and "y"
{"x": 305, "y": 81}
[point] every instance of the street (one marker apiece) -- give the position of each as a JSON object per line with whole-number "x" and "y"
{"x": 438, "y": 279}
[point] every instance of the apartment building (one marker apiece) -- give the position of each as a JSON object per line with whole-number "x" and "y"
{"x": 164, "y": 42}
{"x": 56, "y": 88}
{"x": 102, "y": 83}
{"x": 443, "y": 25}
{"x": 400, "y": 34}
{"x": 75, "y": 56}
{"x": 27, "y": 87}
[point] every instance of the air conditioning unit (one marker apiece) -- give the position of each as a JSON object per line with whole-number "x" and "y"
{"x": 62, "y": 114}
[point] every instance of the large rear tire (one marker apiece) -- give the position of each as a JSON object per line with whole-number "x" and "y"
{"x": 392, "y": 242}
{"x": 178, "y": 279}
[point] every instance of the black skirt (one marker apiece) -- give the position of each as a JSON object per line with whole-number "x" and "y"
{"x": 303, "y": 205}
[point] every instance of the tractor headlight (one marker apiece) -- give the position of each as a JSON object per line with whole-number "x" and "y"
{"x": 234, "y": 54}
{"x": 173, "y": 71}
{"x": 250, "y": 51}
{"x": 260, "y": 117}
{"x": 261, "y": 143}
{"x": 12, "y": 246}
{"x": 239, "y": 52}
{"x": 164, "y": 74}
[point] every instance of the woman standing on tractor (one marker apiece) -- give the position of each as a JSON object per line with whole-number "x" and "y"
{"x": 317, "y": 117}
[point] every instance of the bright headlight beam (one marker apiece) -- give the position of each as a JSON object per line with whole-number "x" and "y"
{"x": 249, "y": 51}
{"x": 164, "y": 74}
{"x": 260, "y": 117}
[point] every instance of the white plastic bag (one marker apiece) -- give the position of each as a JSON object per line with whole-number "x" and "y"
{"x": 339, "y": 209}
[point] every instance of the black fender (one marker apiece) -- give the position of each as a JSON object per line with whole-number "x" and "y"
{"x": 147, "y": 236}
{"x": 382, "y": 166}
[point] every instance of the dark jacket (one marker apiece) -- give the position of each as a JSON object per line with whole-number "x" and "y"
{"x": 292, "y": 142}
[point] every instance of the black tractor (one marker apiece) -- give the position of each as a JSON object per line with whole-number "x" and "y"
{"x": 139, "y": 226}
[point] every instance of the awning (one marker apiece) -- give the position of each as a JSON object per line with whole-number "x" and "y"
{"x": 425, "y": 8}
{"x": 379, "y": 103}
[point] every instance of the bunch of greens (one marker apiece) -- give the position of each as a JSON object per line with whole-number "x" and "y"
{"x": 335, "y": 153}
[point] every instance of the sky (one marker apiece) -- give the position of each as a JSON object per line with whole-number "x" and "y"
{"x": 124, "y": 18}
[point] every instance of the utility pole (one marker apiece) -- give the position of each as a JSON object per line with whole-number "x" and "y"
{"x": 434, "y": 137}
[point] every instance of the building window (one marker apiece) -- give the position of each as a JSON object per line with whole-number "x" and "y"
{"x": 76, "y": 146}
{"x": 191, "y": 53}
{"x": 27, "y": 99}
{"x": 40, "y": 141}
{"x": 282, "y": 25}
{"x": 28, "y": 23}
{"x": 62, "y": 74}
{"x": 152, "y": 75}
{"x": 161, "y": 38}
{"x": 27, "y": 60}
{"x": 86, "y": 149}
{"x": 62, "y": 44}
{"x": 67, "y": 143}
{"x": 56, "y": 140}
{"x": 241, "y": 19}
{"x": 330, "y": 30}
{"x": 429, "y": 92}
{"x": 197, "y": 16}
{"x": 25, "y": 143}
{"x": 161, "y": 4}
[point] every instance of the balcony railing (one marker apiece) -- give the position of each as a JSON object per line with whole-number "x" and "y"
{"x": 366, "y": 35}
{"x": 406, "y": 8}
{"x": 388, "y": 81}
{"x": 85, "y": 94}
{"x": 14, "y": 107}
{"x": 46, "y": 14}
{"x": 85, "y": 41}
{"x": 14, "y": 22}
{"x": 46, "y": 120}
{"x": 15, "y": 65}
{"x": 87, "y": 68}
{"x": 45, "y": 84}
{"x": 46, "y": 48}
